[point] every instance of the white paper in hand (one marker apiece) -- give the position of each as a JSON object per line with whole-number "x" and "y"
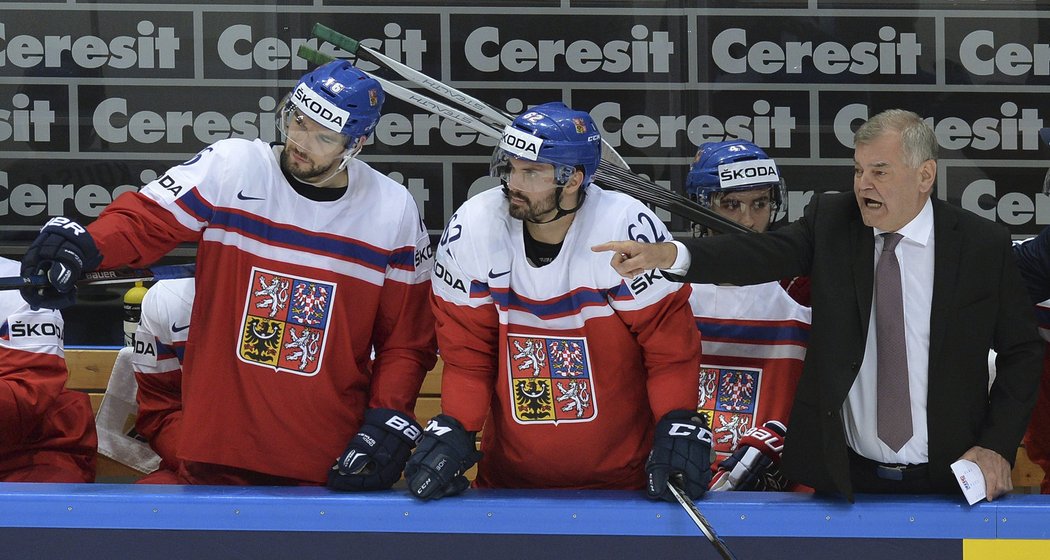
{"x": 970, "y": 479}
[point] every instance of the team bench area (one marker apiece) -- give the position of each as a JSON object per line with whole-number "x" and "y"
{"x": 89, "y": 370}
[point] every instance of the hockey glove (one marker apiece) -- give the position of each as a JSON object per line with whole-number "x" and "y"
{"x": 681, "y": 446}
{"x": 446, "y": 452}
{"x": 755, "y": 465}
{"x": 377, "y": 454}
{"x": 63, "y": 251}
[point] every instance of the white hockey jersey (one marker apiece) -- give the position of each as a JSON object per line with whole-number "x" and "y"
{"x": 569, "y": 363}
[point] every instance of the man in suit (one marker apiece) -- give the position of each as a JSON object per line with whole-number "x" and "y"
{"x": 961, "y": 295}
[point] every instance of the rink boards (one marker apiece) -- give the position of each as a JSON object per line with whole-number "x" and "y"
{"x": 125, "y": 521}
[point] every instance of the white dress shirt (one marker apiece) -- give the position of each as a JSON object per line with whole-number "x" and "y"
{"x": 915, "y": 254}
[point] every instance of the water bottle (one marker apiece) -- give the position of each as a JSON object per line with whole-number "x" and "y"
{"x": 132, "y": 312}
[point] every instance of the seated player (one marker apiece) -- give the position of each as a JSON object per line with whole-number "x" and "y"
{"x": 47, "y": 432}
{"x": 568, "y": 367}
{"x": 753, "y": 338}
{"x": 160, "y": 346}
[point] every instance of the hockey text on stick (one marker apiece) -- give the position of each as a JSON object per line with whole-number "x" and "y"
{"x": 612, "y": 169}
{"x": 700, "y": 520}
{"x": 486, "y": 110}
{"x": 120, "y": 276}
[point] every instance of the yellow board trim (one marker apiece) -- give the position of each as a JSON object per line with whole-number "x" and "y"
{"x": 1002, "y": 549}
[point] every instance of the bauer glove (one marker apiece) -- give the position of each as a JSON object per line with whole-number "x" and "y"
{"x": 755, "y": 465}
{"x": 62, "y": 252}
{"x": 377, "y": 454}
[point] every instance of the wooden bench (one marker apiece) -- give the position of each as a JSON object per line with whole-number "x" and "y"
{"x": 89, "y": 372}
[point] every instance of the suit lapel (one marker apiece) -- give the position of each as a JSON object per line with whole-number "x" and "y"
{"x": 863, "y": 250}
{"x": 946, "y": 253}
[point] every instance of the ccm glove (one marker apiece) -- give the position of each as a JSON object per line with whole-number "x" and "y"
{"x": 681, "y": 447}
{"x": 62, "y": 252}
{"x": 446, "y": 452}
{"x": 755, "y": 465}
{"x": 377, "y": 454}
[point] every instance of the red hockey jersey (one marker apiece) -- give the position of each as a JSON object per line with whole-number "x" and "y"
{"x": 753, "y": 344}
{"x": 293, "y": 297}
{"x": 567, "y": 365}
{"x": 48, "y": 432}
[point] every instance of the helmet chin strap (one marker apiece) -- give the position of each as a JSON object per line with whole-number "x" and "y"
{"x": 350, "y": 154}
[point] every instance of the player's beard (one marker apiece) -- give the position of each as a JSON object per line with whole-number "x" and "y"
{"x": 522, "y": 208}
{"x": 307, "y": 173}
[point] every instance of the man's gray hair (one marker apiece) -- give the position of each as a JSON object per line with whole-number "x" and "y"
{"x": 918, "y": 141}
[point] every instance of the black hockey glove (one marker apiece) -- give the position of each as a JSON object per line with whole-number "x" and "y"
{"x": 377, "y": 454}
{"x": 681, "y": 446}
{"x": 446, "y": 452}
{"x": 62, "y": 252}
{"x": 755, "y": 465}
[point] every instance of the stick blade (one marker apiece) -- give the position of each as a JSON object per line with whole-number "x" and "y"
{"x": 336, "y": 38}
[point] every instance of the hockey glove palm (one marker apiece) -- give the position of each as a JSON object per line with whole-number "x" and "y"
{"x": 377, "y": 454}
{"x": 62, "y": 252}
{"x": 446, "y": 452}
{"x": 755, "y": 465}
{"x": 681, "y": 446}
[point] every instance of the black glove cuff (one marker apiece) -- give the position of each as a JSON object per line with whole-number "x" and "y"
{"x": 395, "y": 422}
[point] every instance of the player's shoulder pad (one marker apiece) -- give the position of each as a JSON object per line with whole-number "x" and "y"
{"x": 29, "y": 329}
{"x": 480, "y": 223}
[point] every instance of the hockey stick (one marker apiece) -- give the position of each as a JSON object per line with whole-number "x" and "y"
{"x": 486, "y": 110}
{"x": 409, "y": 96}
{"x": 694, "y": 513}
{"x": 120, "y": 276}
{"x": 608, "y": 174}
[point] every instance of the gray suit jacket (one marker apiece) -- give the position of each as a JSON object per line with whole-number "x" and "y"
{"x": 979, "y": 302}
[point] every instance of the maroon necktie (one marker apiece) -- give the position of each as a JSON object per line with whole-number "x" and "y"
{"x": 894, "y": 401}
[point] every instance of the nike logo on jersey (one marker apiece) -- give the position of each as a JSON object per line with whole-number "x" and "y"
{"x": 497, "y": 275}
{"x": 176, "y": 328}
{"x": 242, "y": 196}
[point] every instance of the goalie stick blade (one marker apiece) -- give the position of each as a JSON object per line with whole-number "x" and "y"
{"x": 698, "y": 518}
{"x": 120, "y": 276}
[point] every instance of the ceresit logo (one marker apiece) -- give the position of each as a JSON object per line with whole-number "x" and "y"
{"x": 981, "y": 55}
{"x": 1015, "y": 128}
{"x": 648, "y": 52}
{"x": 240, "y": 49}
{"x": 85, "y": 198}
{"x": 320, "y": 109}
{"x": 521, "y": 144}
{"x": 767, "y": 126}
{"x": 153, "y": 47}
{"x": 115, "y": 122}
{"x": 1009, "y": 207}
{"x": 895, "y": 53}
{"x": 745, "y": 173}
{"x": 28, "y": 121}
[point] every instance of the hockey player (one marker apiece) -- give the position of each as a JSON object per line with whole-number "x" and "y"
{"x": 48, "y": 431}
{"x": 159, "y": 352}
{"x": 567, "y": 367}
{"x": 308, "y": 260}
{"x": 753, "y": 337}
